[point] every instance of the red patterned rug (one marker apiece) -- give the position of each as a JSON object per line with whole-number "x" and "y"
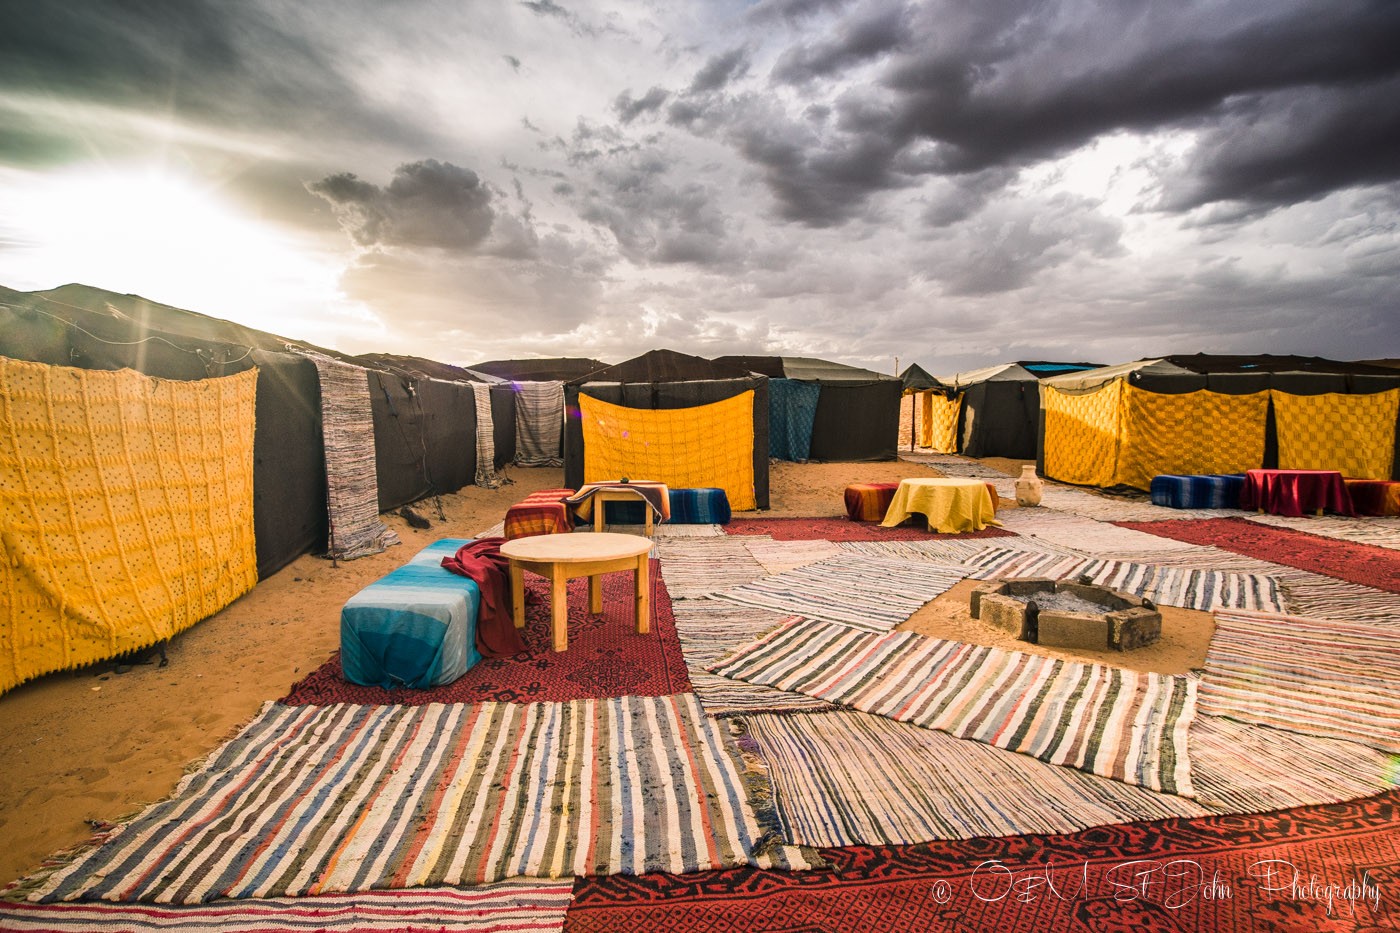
{"x": 1334, "y": 867}
{"x": 843, "y": 529}
{"x": 1365, "y": 564}
{"x": 606, "y": 657}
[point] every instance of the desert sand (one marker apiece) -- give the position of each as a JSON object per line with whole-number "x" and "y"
{"x": 82, "y": 748}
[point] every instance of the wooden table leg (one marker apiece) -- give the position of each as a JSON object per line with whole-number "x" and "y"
{"x": 517, "y": 594}
{"x": 642, "y": 582}
{"x": 647, "y": 506}
{"x": 559, "y": 607}
{"x": 599, "y": 519}
{"x": 595, "y": 593}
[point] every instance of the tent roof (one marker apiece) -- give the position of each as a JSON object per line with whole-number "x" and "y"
{"x": 1043, "y": 369}
{"x": 664, "y": 366}
{"x": 545, "y": 369}
{"x": 1002, "y": 372}
{"x": 915, "y": 377}
{"x": 421, "y": 368}
{"x": 804, "y": 368}
{"x": 1205, "y": 363}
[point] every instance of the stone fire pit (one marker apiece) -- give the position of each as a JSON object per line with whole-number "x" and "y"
{"x": 1065, "y": 614}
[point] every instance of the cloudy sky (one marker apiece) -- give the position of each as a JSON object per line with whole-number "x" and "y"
{"x": 949, "y": 183}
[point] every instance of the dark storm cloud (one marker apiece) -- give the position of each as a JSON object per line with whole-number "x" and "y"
{"x": 628, "y": 109}
{"x": 951, "y": 88}
{"x": 427, "y": 204}
{"x": 720, "y": 70}
{"x": 204, "y": 61}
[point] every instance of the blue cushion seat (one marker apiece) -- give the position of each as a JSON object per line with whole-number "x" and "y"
{"x": 702, "y": 505}
{"x": 1201, "y": 491}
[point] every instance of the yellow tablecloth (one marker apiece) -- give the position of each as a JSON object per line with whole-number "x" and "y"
{"x": 950, "y": 505}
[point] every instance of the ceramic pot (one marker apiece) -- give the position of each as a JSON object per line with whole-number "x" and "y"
{"x": 1028, "y": 486}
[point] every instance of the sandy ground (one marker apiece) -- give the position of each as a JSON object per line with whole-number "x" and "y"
{"x": 98, "y": 744}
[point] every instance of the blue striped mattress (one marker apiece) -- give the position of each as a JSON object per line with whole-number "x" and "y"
{"x": 414, "y": 627}
{"x": 1205, "y": 491}
{"x": 702, "y": 505}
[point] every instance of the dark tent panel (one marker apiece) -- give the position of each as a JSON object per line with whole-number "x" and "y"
{"x": 424, "y": 437}
{"x": 665, "y": 379}
{"x": 1001, "y": 407}
{"x": 503, "y": 423}
{"x": 857, "y": 416}
{"x": 289, "y": 475}
{"x": 917, "y": 379}
{"x": 558, "y": 369}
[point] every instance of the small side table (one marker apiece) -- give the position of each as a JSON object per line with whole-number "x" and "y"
{"x": 1295, "y": 492}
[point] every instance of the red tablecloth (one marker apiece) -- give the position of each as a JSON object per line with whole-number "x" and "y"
{"x": 1295, "y": 492}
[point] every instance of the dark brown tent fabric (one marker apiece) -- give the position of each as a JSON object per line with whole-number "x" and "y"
{"x": 665, "y": 379}
{"x": 418, "y": 367}
{"x": 289, "y": 464}
{"x": 557, "y": 369}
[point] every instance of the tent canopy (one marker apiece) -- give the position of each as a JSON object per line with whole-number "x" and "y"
{"x": 418, "y": 367}
{"x": 917, "y": 379}
{"x": 804, "y": 368}
{"x": 664, "y": 366}
{"x": 554, "y": 369}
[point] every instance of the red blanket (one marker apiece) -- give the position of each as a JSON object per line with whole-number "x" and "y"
{"x": 481, "y": 561}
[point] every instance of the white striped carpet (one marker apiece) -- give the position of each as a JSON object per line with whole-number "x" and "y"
{"x": 312, "y": 800}
{"x": 694, "y": 567}
{"x": 1381, "y": 532}
{"x": 1187, "y": 587}
{"x": 1083, "y": 534}
{"x": 941, "y": 551}
{"x": 780, "y": 556}
{"x": 687, "y": 531}
{"x": 1329, "y": 678}
{"x": 872, "y": 594}
{"x": 1120, "y": 724}
{"x": 1319, "y": 597}
{"x": 531, "y": 905}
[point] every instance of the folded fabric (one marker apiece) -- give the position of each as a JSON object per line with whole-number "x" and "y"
{"x": 656, "y": 495}
{"x": 540, "y": 513}
{"x": 482, "y": 562}
{"x": 414, "y": 628}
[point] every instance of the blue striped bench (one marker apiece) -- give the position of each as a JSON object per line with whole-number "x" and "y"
{"x": 414, "y": 627}
{"x": 1205, "y": 491}
{"x": 703, "y": 505}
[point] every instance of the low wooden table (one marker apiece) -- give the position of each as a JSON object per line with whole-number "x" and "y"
{"x": 565, "y": 557}
{"x": 950, "y": 504}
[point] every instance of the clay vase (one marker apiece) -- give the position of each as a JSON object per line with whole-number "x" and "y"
{"x": 1028, "y": 486}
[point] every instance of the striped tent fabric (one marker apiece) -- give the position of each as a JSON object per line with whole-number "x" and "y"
{"x": 314, "y": 800}
{"x": 781, "y": 556}
{"x": 1187, "y": 587}
{"x": 486, "y": 475}
{"x": 868, "y": 593}
{"x": 515, "y": 906}
{"x": 351, "y": 478}
{"x": 539, "y": 423}
{"x": 694, "y": 567}
{"x": 1116, "y": 723}
{"x": 850, "y": 778}
{"x": 1327, "y": 678}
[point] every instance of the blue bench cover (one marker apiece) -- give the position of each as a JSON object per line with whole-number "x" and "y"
{"x": 699, "y": 506}
{"x": 414, "y": 627}
{"x": 1208, "y": 491}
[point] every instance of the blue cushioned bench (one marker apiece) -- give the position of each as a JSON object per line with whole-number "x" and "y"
{"x": 1204, "y": 491}
{"x": 703, "y": 505}
{"x": 414, "y": 627}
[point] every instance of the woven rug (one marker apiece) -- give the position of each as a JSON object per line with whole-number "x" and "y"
{"x": 310, "y": 800}
{"x": 842, "y": 529}
{"x": 1187, "y": 587}
{"x": 780, "y": 556}
{"x": 696, "y": 567}
{"x": 868, "y": 593}
{"x": 1167, "y": 875}
{"x": 660, "y": 532}
{"x": 1319, "y": 597}
{"x": 606, "y": 657}
{"x": 851, "y": 778}
{"x": 1382, "y": 532}
{"x": 1119, "y": 724}
{"x": 539, "y": 421}
{"x": 1356, "y": 563}
{"x": 1098, "y": 539}
{"x": 486, "y": 475}
{"x": 945, "y": 552}
{"x": 526, "y": 905}
{"x": 1327, "y": 678}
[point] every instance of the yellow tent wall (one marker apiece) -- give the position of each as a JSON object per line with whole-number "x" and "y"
{"x": 1081, "y": 434}
{"x": 940, "y": 423}
{"x": 127, "y": 510}
{"x": 1193, "y": 432}
{"x": 1351, "y": 433}
{"x": 703, "y": 445}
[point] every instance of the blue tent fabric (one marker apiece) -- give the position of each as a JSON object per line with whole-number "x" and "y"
{"x": 792, "y": 409}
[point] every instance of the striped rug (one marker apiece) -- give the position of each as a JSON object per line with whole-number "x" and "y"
{"x": 869, "y": 593}
{"x": 687, "y": 531}
{"x": 1114, "y": 509}
{"x": 1319, "y": 597}
{"x": 1120, "y": 724}
{"x": 940, "y": 552}
{"x": 1382, "y": 532}
{"x": 1082, "y": 534}
{"x": 313, "y": 800}
{"x": 518, "y": 906}
{"x": 1328, "y": 678}
{"x": 1187, "y": 587}
{"x": 850, "y": 778}
{"x": 781, "y": 556}
{"x": 696, "y": 567}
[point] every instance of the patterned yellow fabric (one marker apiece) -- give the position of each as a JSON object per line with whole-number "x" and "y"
{"x": 1081, "y": 434}
{"x": 126, "y": 508}
{"x": 940, "y": 427}
{"x": 705, "y": 445}
{"x": 1351, "y": 433}
{"x": 1195, "y": 432}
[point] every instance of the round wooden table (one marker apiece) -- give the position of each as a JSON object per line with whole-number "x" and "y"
{"x": 564, "y": 557}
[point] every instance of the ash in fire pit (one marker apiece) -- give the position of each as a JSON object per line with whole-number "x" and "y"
{"x": 1062, "y": 614}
